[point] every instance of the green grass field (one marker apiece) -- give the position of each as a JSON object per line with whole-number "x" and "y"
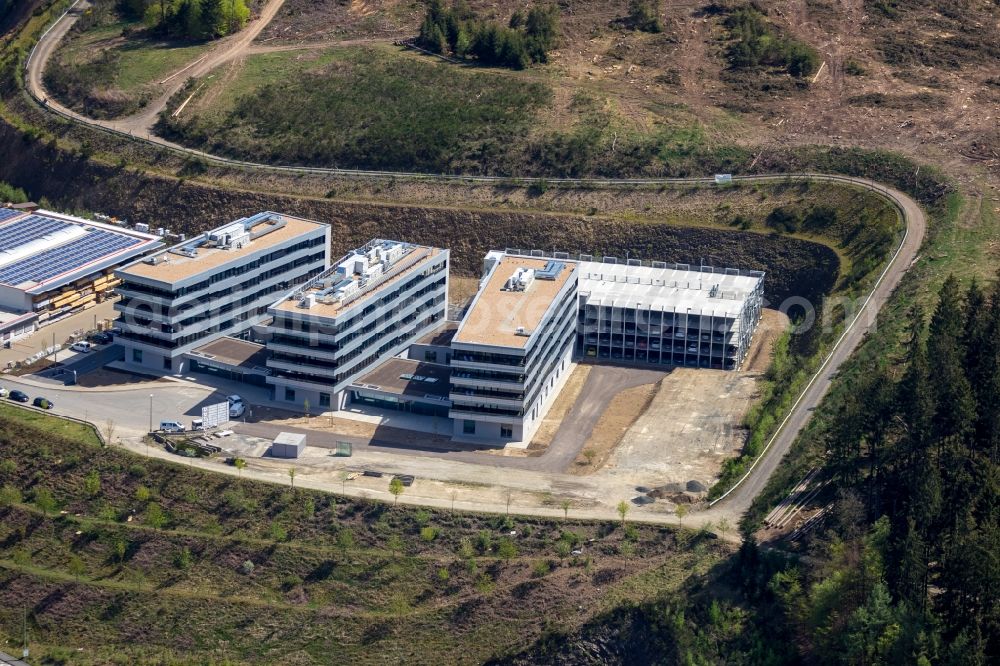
{"x": 52, "y": 425}
{"x": 359, "y": 106}
{"x": 101, "y": 73}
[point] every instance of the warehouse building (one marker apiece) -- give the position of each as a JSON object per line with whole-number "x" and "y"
{"x": 54, "y": 265}
{"x": 371, "y": 306}
{"x": 514, "y": 348}
{"x": 217, "y": 284}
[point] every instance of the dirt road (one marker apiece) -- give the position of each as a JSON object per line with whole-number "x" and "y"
{"x": 141, "y": 124}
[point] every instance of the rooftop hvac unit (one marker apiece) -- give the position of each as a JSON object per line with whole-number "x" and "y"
{"x": 394, "y": 253}
{"x": 520, "y": 280}
{"x": 521, "y": 330}
{"x": 160, "y": 231}
{"x": 152, "y": 261}
{"x": 308, "y": 301}
{"x": 142, "y": 226}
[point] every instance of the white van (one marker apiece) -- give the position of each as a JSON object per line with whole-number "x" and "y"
{"x": 171, "y": 426}
{"x": 81, "y": 346}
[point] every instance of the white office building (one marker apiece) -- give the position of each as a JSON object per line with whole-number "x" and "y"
{"x": 217, "y": 284}
{"x": 513, "y": 350}
{"x": 369, "y": 307}
{"x": 667, "y": 314}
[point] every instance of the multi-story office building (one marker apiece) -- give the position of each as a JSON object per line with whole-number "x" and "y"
{"x": 369, "y": 307}
{"x": 219, "y": 283}
{"x": 514, "y": 348}
{"x": 667, "y": 313}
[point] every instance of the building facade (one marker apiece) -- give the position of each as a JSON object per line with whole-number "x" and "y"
{"x": 217, "y": 284}
{"x": 667, "y": 314}
{"x": 369, "y": 307}
{"x": 514, "y": 348}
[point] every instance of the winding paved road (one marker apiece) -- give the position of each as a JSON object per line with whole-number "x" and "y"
{"x": 738, "y": 499}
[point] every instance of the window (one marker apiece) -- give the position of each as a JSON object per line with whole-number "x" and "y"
{"x": 137, "y": 356}
{"x": 507, "y": 431}
{"x": 167, "y": 363}
{"x": 290, "y": 394}
{"x": 431, "y": 356}
{"x": 324, "y": 399}
{"x": 469, "y": 427}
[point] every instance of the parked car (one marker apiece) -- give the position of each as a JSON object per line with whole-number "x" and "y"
{"x": 44, "y": 403}
{"x": 236, "y": 406}
{"x": 19, "y": 396}
{"x": 101, "y": 338}
{"x": 171, "y": 426}
{"x": 3, "y": 392}
{"x": 81, "y": 346}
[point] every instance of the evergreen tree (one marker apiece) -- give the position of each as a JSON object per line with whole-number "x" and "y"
{"x": 213, "y": 18}
{"x": 956, "y": 409}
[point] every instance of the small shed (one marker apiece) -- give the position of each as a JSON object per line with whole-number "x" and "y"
{"x": 288, "y": 445}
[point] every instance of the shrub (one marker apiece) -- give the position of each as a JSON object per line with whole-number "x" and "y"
{"x": 784, "y": 219}
{"x": 428, "y": 534}
{"x": 92, "y": 483}
{"x": 43, "y": 500}
{"x": 9, "y": 495}
{"x": 854, "y": 68}
{"x": 143, "y": 494}
{"x": 644, "y": 15}
{"x": 541, "y": 568}
{"x": 246, "y": 568}
{"x": 278, "y": 532}
{"x": 756, "y": 43}
{"x": 182, "y": 560}
{"x": 155, "y": 516}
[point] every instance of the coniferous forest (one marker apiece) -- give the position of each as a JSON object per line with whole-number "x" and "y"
{"x": 909, "y": 571}
{"x": 905, "y": 570}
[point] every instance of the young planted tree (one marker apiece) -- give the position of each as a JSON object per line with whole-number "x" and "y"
{"x": 506, "y": 551}
{"x": 239, "y": 464}
{"x": 45, "y": 501}
{"x": 110, "y": 427}
{"x": 565, "y": 505}
{"x": 76, "y": 567}
{"x": 396, "y": 487}
{"x": 626, "y": 549}
{"x": 681, "y": 511}
{"x": 623, "y": 509}
{"x": 291, "y": 476}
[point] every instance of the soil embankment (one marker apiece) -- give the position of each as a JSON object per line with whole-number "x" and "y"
{"x": 794, "y": 267}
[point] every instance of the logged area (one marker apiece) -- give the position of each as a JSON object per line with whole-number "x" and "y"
{"x": 700, "y": 89}
{"x": 95, "y": 542}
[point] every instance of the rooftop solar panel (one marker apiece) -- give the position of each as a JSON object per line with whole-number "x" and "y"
{"x": 67, "y": 257}
{"x": 30, "y": 228}
{"x": 7, "y": 213}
